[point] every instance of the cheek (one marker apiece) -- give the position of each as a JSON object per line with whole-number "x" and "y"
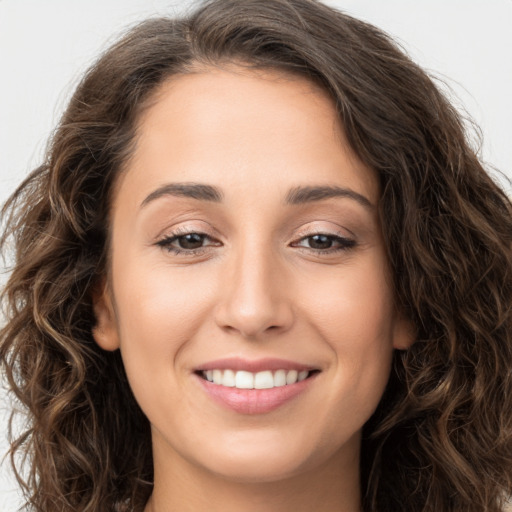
{"x": 158, "y": 299}
{"x": 354, "y": 315}
{"x": 158, "y": 312}
{"x": 353, "y": 308}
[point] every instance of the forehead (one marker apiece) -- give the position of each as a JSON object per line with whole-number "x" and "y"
{"x": 241, "y": 127}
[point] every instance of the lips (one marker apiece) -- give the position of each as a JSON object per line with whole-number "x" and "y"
{"x": 254, "y": 366}
{"x": 254, "y": 387}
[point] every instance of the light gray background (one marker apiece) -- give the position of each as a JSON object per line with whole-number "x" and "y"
{"x": 45, "y": 46}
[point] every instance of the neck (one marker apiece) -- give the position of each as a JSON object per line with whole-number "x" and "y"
{"x": 332, "y": 487}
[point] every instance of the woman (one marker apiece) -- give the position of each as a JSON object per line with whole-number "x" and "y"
{"x": 261, "y": 269}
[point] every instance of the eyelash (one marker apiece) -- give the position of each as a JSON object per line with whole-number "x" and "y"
{"x": 166, "y": 242}
{"x": 345, "y": 244}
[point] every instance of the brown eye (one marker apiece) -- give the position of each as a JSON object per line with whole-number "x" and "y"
{"x": 190, "y": 241}
{"x": 187, "y": 243}
{"x": 320, "y": 242}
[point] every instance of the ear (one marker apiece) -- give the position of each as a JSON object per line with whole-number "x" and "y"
{"x": 404, "y": 333}
{"x": 105, "y": 330}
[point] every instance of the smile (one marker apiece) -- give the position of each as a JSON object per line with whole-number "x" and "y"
{"x": 255, "y": 387}
{"x": 248, "y": 380}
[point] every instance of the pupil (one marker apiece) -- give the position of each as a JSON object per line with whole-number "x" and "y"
{"x": 321, "y": 242}
{"x": 191, "y": 241}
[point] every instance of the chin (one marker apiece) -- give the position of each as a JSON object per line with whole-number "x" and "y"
{"x": 263, "y": 460}
{"x": 258, "y": 469}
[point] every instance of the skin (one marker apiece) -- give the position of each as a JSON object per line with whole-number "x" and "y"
{"x": 258, "y": 289}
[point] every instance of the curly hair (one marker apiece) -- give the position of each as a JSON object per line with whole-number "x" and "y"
{"x": 441, "y": 438}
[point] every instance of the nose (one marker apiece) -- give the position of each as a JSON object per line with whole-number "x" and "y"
{"x": 254, "y": 300}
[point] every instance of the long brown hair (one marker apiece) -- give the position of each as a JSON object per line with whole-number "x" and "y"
{"x": 441, "y": 438}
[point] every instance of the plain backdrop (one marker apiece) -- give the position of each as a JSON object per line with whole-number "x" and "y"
{"x": 45, "y": 46}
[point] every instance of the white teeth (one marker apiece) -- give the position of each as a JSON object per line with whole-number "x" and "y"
{"x": 217, "y": 376}
{"x": 244, "y": 380}
{"x": 302, "y": 375}
{"x": 280, "y": 378}
{"x": 263, "y": 380}
{"x": 260, "y": 380}
{"x": 291, "y": 377}
{"x": 228, "y": 379}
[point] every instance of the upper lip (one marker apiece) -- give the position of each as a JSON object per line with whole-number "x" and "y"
{"x": 254, "y": 366}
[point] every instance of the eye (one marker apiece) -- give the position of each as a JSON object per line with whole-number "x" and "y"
{"x": 188, "y": 242}
{"x": 325, "y": 243}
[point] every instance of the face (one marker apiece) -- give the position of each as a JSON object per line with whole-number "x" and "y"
{"x": 246, "y": 248}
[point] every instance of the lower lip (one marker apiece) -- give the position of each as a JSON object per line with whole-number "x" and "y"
{"x": 254, "y": 401}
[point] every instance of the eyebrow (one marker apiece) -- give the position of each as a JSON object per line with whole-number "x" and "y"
{"x": 191, "y": 190}
{"x": 309, "y": 194}
{"x": 295, "y": 196}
